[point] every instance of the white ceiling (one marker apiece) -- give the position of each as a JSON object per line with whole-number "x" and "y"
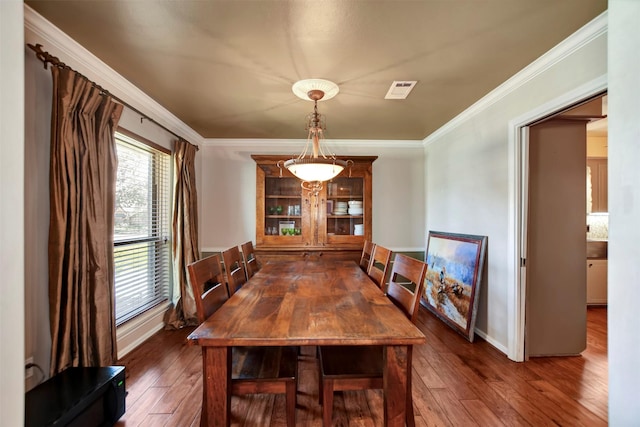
{"x": 226, "y": 68}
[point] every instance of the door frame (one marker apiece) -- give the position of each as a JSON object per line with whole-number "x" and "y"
{"x": 518, "y": 188}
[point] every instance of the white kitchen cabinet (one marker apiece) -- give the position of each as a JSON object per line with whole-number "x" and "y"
{"x": 596, "y": 281}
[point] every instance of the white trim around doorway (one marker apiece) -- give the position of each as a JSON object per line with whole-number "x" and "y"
{"x": 516, "y": 293}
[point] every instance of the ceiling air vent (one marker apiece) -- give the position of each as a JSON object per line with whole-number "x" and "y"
{"x": 400, "y": 89}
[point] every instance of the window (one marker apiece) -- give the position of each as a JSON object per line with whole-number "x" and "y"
{"x": 141, "y": 232}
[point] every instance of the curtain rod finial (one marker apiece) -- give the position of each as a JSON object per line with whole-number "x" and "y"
{"x": 40, "y": 54}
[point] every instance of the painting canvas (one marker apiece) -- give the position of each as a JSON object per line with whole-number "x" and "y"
{"x": 455, "y": 263}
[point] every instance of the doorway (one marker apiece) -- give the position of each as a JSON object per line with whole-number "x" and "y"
{"x": 518, "y": 186}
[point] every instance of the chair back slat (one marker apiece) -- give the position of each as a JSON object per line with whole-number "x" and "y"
{"x": 234, "y": 267}
{"x": 379, "y": 265}
{"x": 406, "y": 284}
{"x": 250, "y": 260}
{"x": 208, "y": 285}
{"x": 365, "y": 258}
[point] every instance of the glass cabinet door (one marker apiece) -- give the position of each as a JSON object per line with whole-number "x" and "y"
{"x": 291, "y": 220}
{"x": 283, "y": 206}
{"x": 345, "y": 216}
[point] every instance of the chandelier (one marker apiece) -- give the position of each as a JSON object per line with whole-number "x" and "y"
{"x": 314, "y": 166}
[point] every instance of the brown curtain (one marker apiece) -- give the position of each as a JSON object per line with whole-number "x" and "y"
{"x": 185, "y": 235}
{"x": 82, "y": 192}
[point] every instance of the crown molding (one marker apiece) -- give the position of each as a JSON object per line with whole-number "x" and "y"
{"x": 76, "y": 56}
{"x": 278, "y": 144}
{"x": 593, "y": 29}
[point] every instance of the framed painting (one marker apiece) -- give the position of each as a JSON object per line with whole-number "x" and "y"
{"x": 455, "y": 263}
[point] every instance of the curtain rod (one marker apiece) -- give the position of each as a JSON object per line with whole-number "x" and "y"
{"x": 47, "y": 58}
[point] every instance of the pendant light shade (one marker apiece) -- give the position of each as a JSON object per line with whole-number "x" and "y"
{"x": 313, "y": 166}
{"x": 318, "y": 169}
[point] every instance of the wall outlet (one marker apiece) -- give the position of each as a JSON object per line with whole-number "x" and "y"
{"x": 28, "y": 371}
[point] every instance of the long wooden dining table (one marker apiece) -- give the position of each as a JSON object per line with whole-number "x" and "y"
{"x": 305, "y": 303}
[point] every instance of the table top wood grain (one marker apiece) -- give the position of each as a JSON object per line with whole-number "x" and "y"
{"x": 308, "y": 303}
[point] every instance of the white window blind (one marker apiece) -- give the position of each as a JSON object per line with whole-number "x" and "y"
{"x": 142, "y": 228}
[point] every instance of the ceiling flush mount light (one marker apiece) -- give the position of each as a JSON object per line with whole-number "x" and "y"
{"x": 313, "y": 166}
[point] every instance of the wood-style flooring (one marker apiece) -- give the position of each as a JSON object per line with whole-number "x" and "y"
{"x": 455, "y": 383}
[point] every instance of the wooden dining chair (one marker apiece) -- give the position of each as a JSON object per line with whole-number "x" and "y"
{"x": 365, "y": 258}
{"x": 253, "y": 369}
{"x": 234, "y": 267}
{"x": 379, "y": 264}
{"x": 250, "y": 261}
{"x": 208, "y": 285}
{"x": 361, "y": 367}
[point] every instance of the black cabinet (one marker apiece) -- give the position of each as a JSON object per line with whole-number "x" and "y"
{"x": 79, "y": 397}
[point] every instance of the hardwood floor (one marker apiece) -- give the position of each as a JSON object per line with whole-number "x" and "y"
{"x": 455, "y": 383}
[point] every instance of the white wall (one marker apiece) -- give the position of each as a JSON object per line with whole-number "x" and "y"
{"x": 11, "y": 214}
{"x": 467, "y": 165}
{"x": 229, "y": 188}
{"x": 38, "y": 90}
{"x": 624, "y": 212}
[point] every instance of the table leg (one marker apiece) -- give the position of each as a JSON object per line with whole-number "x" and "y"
{"x": 395, "y": 385}
{"x": 216, "y": 385}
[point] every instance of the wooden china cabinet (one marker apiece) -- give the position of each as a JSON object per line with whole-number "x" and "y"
{"x": 292, "y": 223}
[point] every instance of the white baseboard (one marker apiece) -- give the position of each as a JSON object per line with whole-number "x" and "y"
{"x": 492, "y": 341}
{"x": 136, "y": 331}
